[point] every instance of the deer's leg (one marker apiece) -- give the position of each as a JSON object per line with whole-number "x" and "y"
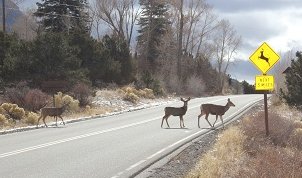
{"x": 207, "y": 115}
{"x": 199, "y": 118}
{"x": 167, "y": 120}
{"x": 39, "y": 120}
{"x": 222, "y": 121}
{"x": 56, "y": 120}
{"x": 164, "y": 118}
{"x": 215, "y": 120}
{"x": 162, "y": 121}
{"x": 62, "y": 120}
{"x": 181, "y": 120}
{"x": 44, "y": 121}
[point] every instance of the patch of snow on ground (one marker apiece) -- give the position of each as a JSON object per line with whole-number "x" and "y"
{"x": 113, "y": 101}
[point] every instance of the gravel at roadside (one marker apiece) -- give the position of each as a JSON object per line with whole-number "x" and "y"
{"x": 182, "y": 163}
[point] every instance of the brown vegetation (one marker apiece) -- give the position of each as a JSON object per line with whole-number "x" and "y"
{"x": 244, "y": 150}
{"x": 104, "y": 101}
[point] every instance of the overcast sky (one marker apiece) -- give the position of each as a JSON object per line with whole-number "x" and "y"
{"x": 277, "y": 22}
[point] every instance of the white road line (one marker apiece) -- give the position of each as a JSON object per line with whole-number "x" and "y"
{"x": 136, "y": 164}
{"x": 3, "y": 155}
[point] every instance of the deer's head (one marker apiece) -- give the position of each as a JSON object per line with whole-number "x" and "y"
{"x": 230, "y": 103}
{"x": 185, "y": 101}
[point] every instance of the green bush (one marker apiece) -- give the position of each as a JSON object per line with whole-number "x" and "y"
{"x": 294, "y": 83}
{"x": 152, "y": 83}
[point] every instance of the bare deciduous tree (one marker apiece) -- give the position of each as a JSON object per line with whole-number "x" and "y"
{"x": 119, "y": 15}
{"x": 25, "y": 25}
{"x": 195, "y": 10}
{"x": 180, "y": 39}
{"x": 207, "y": 25}
{"x": 198, "y": 23}
{"x": 226, "y": 43}
{"x": 191, "y": 23}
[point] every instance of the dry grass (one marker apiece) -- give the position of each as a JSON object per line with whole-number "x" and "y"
{"x": 227, "y": 153}
{"x": 245, "y": 151}
{"x": 90, "y": 111}
{"x": 274, "y": 161}
{"x": 31, "y": 118}
{"x": 105, "y": 101}
{"x": 3, "y": 121}
{"x": 133, "y": 95}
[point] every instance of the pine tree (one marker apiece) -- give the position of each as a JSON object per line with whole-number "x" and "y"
{"x": 63, "y": 15}
{"x": 294, "y": 82}
{"x": 153, "y": 25}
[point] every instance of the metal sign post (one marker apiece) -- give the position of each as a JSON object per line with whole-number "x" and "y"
{"x": 264, "y": 58}
{"x": 266, "y": 113}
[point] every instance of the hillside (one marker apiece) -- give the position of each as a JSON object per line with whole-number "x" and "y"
{"x": 12, "y": 13}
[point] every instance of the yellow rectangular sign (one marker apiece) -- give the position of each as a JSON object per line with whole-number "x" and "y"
{"x": 264, "y": 82}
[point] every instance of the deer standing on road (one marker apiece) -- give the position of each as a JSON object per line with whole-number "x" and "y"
{"x": 176, "y": 112}
{"x": 53, "y": 111}
{"x": 213, "y": 109}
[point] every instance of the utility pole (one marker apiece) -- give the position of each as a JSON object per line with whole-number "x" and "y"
{"x": 3, "y": 15}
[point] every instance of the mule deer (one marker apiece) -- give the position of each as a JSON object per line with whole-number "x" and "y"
{"x": 213, "y": 109}
{"x": 176, "y": 112}
{"x": 53, "y": 111}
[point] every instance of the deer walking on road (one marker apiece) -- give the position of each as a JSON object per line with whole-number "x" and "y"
{"x": 213, "y": 109}
{"x": 176, "y": 112}
{"x": 53, "y": 111}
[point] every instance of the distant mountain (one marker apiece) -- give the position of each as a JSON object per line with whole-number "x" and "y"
{"x": 243, "y": 70}
{"x": 12, "y": 13}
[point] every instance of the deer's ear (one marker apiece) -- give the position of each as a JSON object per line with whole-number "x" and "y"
{"x": 189, "y": 98}
{"x": 229, "y": 99}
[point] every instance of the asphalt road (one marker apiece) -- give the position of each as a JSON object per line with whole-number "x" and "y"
{"x": 114, "y": 146}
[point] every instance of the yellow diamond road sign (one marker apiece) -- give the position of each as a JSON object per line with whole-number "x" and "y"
{"x": 264, "y": 82}
{"x": 264, "y": 58}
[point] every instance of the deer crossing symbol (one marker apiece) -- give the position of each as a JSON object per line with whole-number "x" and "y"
{"x": 263, "y": 57}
